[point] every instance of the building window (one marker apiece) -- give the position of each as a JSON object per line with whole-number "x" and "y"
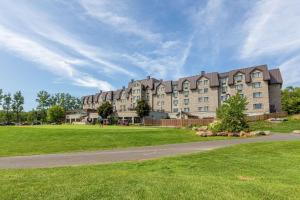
{"x": 224, "y": 89}
{"x": 162, "y": 96}
{"x": 205, "y": 99}
{"x": 257, "y": 106}
{"x": 239, "y": 87}
{"x": 200, "y": 91}
{"x": 200, "y": 99}
{"x": 186, "y": 101}
{"x": 203, "y": 109}
{"x": 205, "y": 90}
{"x": 186, "y": 93}
{"x": 175, "y": 109}
{"x": 256, "y": 75}
{"x": 224, "y": 98}
{"x": 175, "y": 87}
{"x": 175, "y": 102}
{"x": 162, "y": 89}
{"x": 256, "y": 85}
{"x": 186, "y": 109}
{"x": 158, "y": 103}
{"x": 200, "y": 82}
{"x": 186, "y": 86}
{"x": 175, "y": 94}
{"x": 224, "y": 81}
{"x": 257, "y": 95}
{"x": 205, "y": 82}
{"x": 242, "y": 95}
{"x": 238, "y": 78}
{"x": 162, "y": 103}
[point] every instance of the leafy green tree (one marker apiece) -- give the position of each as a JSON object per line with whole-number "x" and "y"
{"x": 105, "y": 110}
{"x": 7, "y": 106}
{"x": 56, "y": 114}
{"x": 231, "y": 114}
{"x": 142, "y": 109}
{"x": 1, "y": 96}
{"x": 65, "y": 100}
{"x": 17, "y": 104}
{"x": 43, "y": 104}
{"x": 290, "y": 100}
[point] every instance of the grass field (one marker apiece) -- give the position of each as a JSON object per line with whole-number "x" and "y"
{"x": 55, "y": 139}
{"x": 292, "y": 124}
{"x": 249, "y": 171}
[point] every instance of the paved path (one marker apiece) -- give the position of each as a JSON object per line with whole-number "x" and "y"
{"x": 129, "y": 154}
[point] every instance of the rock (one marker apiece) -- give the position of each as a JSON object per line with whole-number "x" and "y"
{"x": 258, "y": 133}
{"x": 236, "y": 134}
{"x": 230, "y": 134}
{"x": 222, "y": 134}
{"x": 267, "y": 132}
{"x": 202, "y": 128}
{"x": 296, "y": 131}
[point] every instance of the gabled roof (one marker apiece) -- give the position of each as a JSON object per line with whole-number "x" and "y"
{"x": 247, "y": 71}
{"x": 212, "y": 77}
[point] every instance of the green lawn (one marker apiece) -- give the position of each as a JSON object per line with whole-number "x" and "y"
{"x": 54, "y": 139}
{"x": 283, "y": 127}
{"x": 249, "y": 171}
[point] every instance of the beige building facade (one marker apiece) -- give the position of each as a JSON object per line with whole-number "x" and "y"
{"x": 198, "y": 96}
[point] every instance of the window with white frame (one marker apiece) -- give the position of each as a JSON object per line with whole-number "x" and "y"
{"x": 200, "y": 91}
{"x": 175, "y": 102}
{"x": 205, "y": 82}
{"x": 186, "y": 101}
{"x": 205, "y": 90}
{"x": 257, "y": 95}
{"x": 224, "y": 89}
{"x": 200, "y": 99}
{"x": 186, "y": 93}
{"x": 257, "y": 106}
{"x": 238, "y": 78}
{"x": 256, "y": 85}
{"x": 239, "y": 87}
{"x": 175, "y": 109}
{"x": 257, "y": 74}
{"x": 186, "y": 85}
{"x": 186, "y": 109}
{"x": 205, "y": 99}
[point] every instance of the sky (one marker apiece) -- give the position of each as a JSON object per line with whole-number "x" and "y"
{"x": 83, "y": 46}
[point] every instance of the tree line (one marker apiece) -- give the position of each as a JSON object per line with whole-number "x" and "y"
{"x": 12, "y": 107}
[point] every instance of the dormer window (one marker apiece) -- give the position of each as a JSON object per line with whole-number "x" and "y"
{"x": 238, "y": 78}
{"x": 257, "y": 74}
{"x": 186, "y": 85}
{"x": 239, "y": 87}
{"x": 205, "y": 82}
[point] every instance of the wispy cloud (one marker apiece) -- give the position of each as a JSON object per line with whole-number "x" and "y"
{"x": 273, "y": 30}
{"x": 53, "y": 62}
{"x": 115, "y": 14}
{"x": 273, "y": 27}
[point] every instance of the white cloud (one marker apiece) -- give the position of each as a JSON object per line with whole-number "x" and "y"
{"x": 53, "y": 62}
{"x": 115, "y": 14}
{"x": 273, "y": 27}
{"x": 290, "y": 70}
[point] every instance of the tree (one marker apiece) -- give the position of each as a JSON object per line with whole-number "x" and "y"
{"x": 17, "y": 104}
{"x": 142, "y": 109}
{"x": 1, "y": 96}
{"x": 43, "y": 103}
{"x": 65, "y": 100}
{"x": 105, "y": 109}
{"x": 231, "y": 114}
{"x": 56, "y": 114}
{"x": 290, "y": 100}
{"x": 7, "y": 106}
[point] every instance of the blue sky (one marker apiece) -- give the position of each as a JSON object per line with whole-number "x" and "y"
{"x": 82, "y": 46}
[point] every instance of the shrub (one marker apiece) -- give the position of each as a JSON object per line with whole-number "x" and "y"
{"x": 105, "y": 110}
{"x": 232, "y": 115}
{"x": 215, "y": 127}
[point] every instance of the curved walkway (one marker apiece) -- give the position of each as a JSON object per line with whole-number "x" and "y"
{"x": 129, "y": 154}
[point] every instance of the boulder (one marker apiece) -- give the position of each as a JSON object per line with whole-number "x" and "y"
{"x": 296, "y": 131}
{"x": 202, "y": 128}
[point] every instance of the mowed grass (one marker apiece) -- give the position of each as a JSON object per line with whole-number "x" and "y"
{"x": 248, "y": 171}
{"x": 67, "y": 138}
{"x": 289, "y": 126}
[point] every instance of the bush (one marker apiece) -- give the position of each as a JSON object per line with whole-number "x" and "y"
{"x": 216, "y": 127}
{"x": 231, "y": 115}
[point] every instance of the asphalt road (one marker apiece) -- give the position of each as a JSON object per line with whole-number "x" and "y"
{"x": 129, "y": 154}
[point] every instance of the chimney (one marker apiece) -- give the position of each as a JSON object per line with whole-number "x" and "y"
{"x": 132, "y": 80}
{"x": 148, "y": 77}
{"x": 123, "y": 87}
{"x": 100, "y": 91}
{"x": 160, "y": 80}
{"x": 202, "y": 73}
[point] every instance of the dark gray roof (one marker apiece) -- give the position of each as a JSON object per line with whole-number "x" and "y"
{"x": 275, "y": 76}
{"x": 212, "y": 77}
